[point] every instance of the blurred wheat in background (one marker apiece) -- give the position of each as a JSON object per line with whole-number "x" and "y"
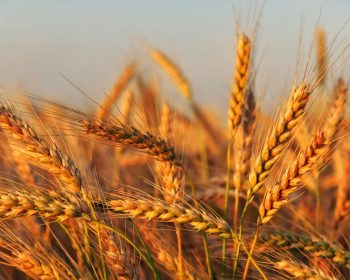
{"x": 137, "y": 187}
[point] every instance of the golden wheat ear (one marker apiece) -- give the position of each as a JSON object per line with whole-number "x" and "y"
{"x": 116, "y": 256}
{"x": 39, "y": 152}
{"x": 311, "y": 247}
{"x": 124, "y": 79}
{"x": 336, "y": 112}
{"x": 37, "y": 261}
{"x": 173, "y": 72}
{"x": 278, "y": 196}
{"x": 156, "y": 210}
{"x": 241, "y": 79}
{"x": 48, "y": 205}
{"x": 301, "y": 271}
{"x": 171, "y": 177}
{"x": 278, "y": 138}
{"x": 129, "y": 136}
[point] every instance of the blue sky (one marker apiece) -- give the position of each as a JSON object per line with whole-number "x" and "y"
{"x": 90, "y": 41}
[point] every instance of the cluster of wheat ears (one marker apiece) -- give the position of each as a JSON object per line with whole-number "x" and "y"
{"x": 138, "y": 189}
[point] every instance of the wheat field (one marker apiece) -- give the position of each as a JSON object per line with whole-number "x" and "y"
{"x": 135, "y": 187}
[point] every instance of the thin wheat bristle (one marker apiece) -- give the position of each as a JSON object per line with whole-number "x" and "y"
{"x": 321, "y": 55}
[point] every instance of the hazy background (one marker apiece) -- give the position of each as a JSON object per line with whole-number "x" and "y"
{"x": 91, "y": 41}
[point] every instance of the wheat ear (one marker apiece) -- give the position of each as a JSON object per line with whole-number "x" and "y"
{"x": 248, "y": 124}
{"x": 336, "y": 111}
{"x": 52, "y": 205}
{"x": 126, "y": 109}
{"x": 165, "y": 255}
{"x": 156, "y": 210}
{"x": 171, "y": 176}
{"x": 116, "y": 256}
{"x": 37, "y": 262}
{"x": 309, "y": 246}
{"x": 278, "y": 196}
{"x": 47, "y": 157}
{"x": 341, "y": 160}
{"x": 301, "y": 271}
{"x": 173, "y": 71}
{"x": 115, "y": 92}
{"x": 129, "y": 136}
{"x": 278, "y": 138}
{"x": 241, "y": 79}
